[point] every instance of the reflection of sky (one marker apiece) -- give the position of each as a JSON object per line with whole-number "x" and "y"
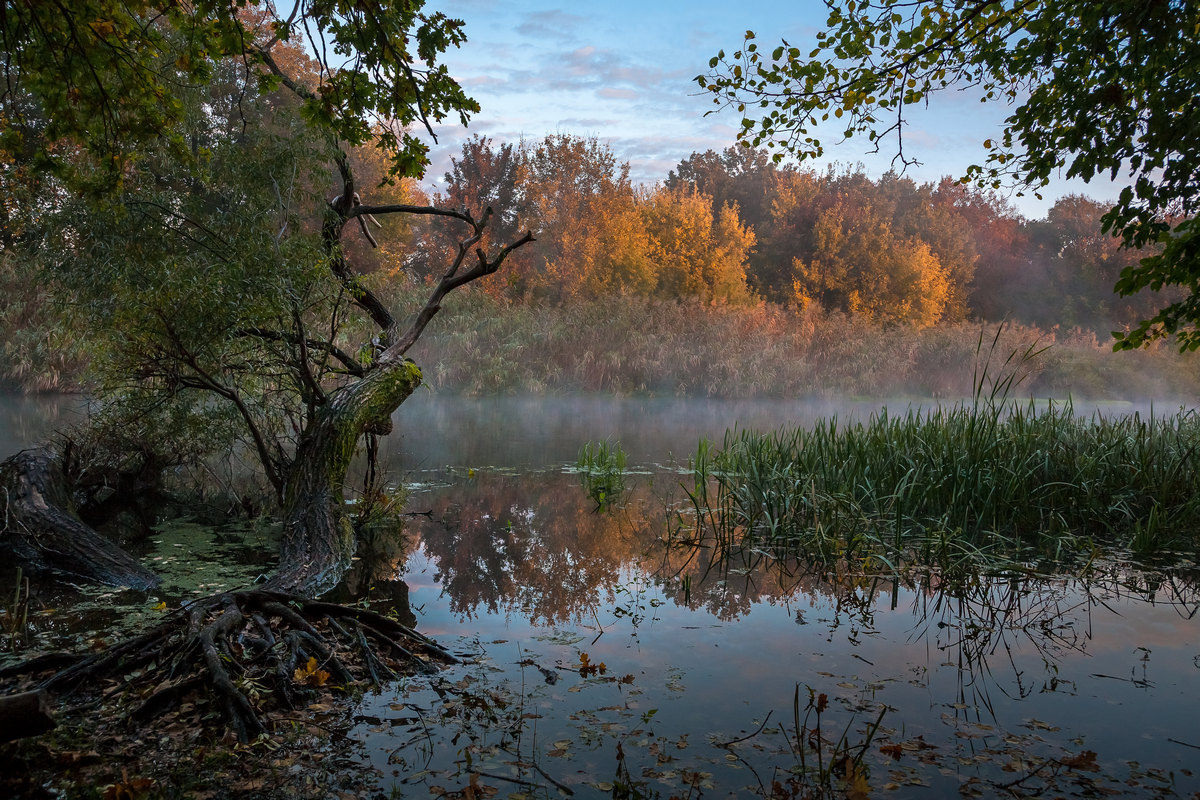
{"x": 1061, "y": 673}
{"x": 622, "y": 71}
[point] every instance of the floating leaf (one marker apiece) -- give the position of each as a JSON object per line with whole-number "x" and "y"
{"x": 1085, "y": 761}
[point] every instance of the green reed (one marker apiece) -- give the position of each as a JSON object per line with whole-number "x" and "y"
{"x": 601, "y": 467}
{"x": 950, "y": 486}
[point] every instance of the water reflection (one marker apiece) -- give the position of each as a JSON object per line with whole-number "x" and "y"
{"x": 528, "y": 544}
{"x": 984, "y": 682}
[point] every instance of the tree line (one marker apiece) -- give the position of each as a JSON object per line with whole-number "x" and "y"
{"x": 735, "y": 227}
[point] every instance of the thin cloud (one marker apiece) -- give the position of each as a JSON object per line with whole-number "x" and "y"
{"x": 617, "y": 94}
{"x": 555, "y": 23}
{"x": 590, "y": 66}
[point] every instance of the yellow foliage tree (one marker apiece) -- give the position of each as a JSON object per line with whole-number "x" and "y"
{"x": 583, "y": 212}
{"x": 695, "y": 254}
{"x": 861, "y": 266}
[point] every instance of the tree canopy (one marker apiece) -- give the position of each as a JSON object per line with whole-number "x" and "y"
{"x": 1094, "y": 88}
{"x": 169, "y": 166}
{"x": 108, "y": 76}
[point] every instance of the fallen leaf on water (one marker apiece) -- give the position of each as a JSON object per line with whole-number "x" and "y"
{"x": 1085, "y": 761}
{"x": 1037, "y": 724}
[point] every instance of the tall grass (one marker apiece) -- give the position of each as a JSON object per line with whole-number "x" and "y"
{"x": 628, "y": 345}
{"x": 953, "y": 486}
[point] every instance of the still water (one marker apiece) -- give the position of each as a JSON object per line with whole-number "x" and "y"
{"x": 601, "y": 659}
{"x": 1068, "y": 684}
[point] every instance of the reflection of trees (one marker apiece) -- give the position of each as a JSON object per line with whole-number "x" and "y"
{"x": 728, "y": 581}
{"x": 529, "y": 542}
{"x": 533, "y": 544}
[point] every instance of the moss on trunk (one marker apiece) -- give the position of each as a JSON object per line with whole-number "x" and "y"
{"x": 318, "y": 541}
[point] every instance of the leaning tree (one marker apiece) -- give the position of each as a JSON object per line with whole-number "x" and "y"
{"x": 189, "y": 149}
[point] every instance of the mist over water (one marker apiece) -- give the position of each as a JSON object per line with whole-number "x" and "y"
{"x": 434, "y": 430}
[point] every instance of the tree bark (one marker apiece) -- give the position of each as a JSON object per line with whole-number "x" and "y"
{"x": 24, "y": 715}
{"x": 318, "y": 540}
{"x": 39, "y": 528}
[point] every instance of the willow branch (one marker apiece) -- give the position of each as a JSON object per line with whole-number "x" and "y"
{"x": 348, "y": 361}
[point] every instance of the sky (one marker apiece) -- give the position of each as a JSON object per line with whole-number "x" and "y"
{"x": 623, "y": 71}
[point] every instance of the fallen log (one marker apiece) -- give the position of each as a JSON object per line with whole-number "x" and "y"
{"x": 39, "y": 529}
{"x": 23, "y": 715}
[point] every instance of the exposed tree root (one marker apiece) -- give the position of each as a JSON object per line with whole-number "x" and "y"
{"x": 249, "y": 653}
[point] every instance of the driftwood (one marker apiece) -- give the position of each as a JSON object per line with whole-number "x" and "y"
{"x": 40, "y": 531}
{"x": 23, "y": 715}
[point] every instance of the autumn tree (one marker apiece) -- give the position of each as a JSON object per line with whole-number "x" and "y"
{"x": 1082, "y": 264}
{"x": 1003, "y": 282}
{"x": 1094, "y": 89}
{"x": 582, "y": 211}
{"x": 696, "y": 252}
{"x": 737, "y": 176}
{"x": 798, "y": 200}
{"x": 917, "y": 216}
{"x": 194, "y": 232}
{"x": 859, "y": 264}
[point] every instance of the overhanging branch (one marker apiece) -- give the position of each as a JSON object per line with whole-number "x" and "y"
{"x": 452, "y": 279}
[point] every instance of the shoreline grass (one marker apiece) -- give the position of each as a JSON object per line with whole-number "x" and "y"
{"x": 632, "y": 346}
{"x": 964, "y": 489}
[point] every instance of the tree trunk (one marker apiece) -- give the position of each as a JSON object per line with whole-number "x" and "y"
{"x": 24, "y": 715}
{"x": 43, "y": 534}
{"x": 318, "y": 540}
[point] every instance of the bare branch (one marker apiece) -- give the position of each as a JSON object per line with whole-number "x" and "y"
{"x": 451, "y": 280}
{"x": 400, "y": 208}
{"x": 348, "y": 361}
{"x": 362, "y": 223}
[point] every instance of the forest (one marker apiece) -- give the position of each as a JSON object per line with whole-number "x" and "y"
{"x": 728, "y": 246}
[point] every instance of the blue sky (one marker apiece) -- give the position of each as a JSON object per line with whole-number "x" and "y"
{"x": 623, "y": 71}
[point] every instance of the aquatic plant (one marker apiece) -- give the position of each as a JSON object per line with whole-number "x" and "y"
{"x": 990, "y": 479}
{"x": 601, "y": 467}
{"x": 839, "y": 769}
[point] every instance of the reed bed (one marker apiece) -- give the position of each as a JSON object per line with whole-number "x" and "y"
{"x": 628, "y": 346}
{"x": 961, "y": 487}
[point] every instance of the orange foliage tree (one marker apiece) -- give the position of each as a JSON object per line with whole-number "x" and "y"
{"x": 695, "y": 252}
